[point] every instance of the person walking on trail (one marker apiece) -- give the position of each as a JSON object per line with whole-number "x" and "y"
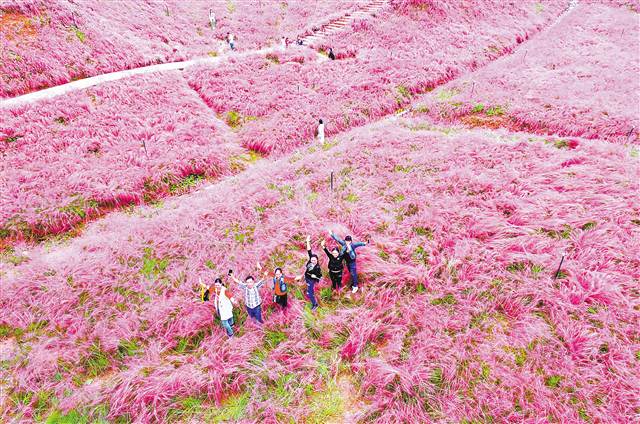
{"x": 280, "y": 287}
{"x": 331, "y": 55}
{"x": 348, "y": 251}
{"x": 336, "y": 265}
{"x": 320, "y": 131}
{"x": 312, "y": 274}
{"x": 283, "y": 43}
{"x": 212, "y": 19}
{"x": 231, "y": 39}
{"x": 252, "y": 298}
{"x": 222, "y": 302}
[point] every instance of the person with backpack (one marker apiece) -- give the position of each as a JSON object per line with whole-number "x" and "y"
{"x": 331, "y": 55}
{"x": 252, "y": 298}
{"x": 222, "y": 301}
{"x": 312, "y": 274}
{"x": 348, "y": 251}
{"x": 280, "y": 288}
{"x": 336, "y": 265}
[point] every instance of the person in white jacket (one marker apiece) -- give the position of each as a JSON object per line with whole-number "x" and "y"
{"x": 320, "y": 131}
{"x": 224, "y": 306}
{"x": 222, "y": 302}
{"x": 212, "y": 19}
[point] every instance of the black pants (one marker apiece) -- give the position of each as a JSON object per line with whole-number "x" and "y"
{"x": 281, "y": 300}
{"x": 336, "y": 279}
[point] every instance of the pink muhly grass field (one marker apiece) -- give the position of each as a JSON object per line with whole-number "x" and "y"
{"x": 72, "y": 158}
{"x": 579, "y": 78}
{"x": 458, "y": 319}
{"x": 50, "y": 43}
{"x": 295, "y": 89}
{"x": 433, "y": 30}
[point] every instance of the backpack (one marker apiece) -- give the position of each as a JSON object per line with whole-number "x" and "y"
{"x": 283, "y": 285}
{"x": 204, "y": 295}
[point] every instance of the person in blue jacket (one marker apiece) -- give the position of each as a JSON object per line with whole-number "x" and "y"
{"x": 348, "y": 252}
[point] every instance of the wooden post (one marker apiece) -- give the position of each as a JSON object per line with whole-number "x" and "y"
{"x": 331, "y": 181}
{"x": 559, "y": 266}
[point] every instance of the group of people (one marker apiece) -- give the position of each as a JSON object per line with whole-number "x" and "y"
{"x": 231, "y": 38}
{"x": 223, "y": 301}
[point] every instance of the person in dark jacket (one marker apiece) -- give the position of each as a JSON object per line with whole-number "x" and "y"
{"x": 312, "y": 275}
{"x": 331, "y": 55}
{"x": 348, "y": 251}
{"x": 336, "y": 265}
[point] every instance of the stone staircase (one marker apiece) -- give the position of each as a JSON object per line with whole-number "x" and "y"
{"x": 344, "y": 22}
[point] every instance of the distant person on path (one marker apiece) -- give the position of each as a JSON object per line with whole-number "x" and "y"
{"x": 331, "y": 55}
{"x": 212, "y": 19}
{"x": 231, "y": 39}
{"x": 336, "y": 265}
{"x": 312, "y": 275}
{"x": 252, "y": 298}
{"x": 280, "y": 288}
{"x": 283, "y": 43}
{"x": 348, "y": 251}
{"x": 320, "y": 131}
{"x": 299, "y": 41}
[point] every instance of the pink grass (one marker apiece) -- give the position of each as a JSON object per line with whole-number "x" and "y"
{"x": 451, "y": 351}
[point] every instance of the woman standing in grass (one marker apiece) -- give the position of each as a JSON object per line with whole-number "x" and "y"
{"x": 223, "y": 303}
{"x": 336, "y": 266}
{"x": 312, "y": 275}
{"x": 280, "y": 288}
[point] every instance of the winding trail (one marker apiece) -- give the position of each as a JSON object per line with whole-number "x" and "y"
{"x": 324, "y": 30}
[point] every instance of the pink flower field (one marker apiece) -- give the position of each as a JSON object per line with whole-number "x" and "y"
{"x": 528, "y": 90}
{"x": 53, "y": 42}
{"x": 113, "y": 145}
{"x": 486, "y": 151}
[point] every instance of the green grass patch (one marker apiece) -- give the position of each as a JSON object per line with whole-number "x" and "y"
{"x": 184, "y": 409}
{"x": 185, "y": 183}
{"x": 71, "y": 417}
{"x": 445, "y": 300}
{"x": 553, "y": 381}
{"x": 232, "y": 409}
{"x": 423, "y": 231}
{"x": 437, "y": 378}
{"x": 326, "y": 405}
{"x": 152, "y": 266}
{"x": 588, "y": 226}
{"x": 517, "y": 267}
{"x": 421, "y": 255}
{"x": 351, "y": 197}
{"x": 189, "y": 343}
{"x": 129, "y": 348}
{"x": 479, "y": 108}
{"x": 96, "y": 362}
{"x": 78, "y": 33}
{"x": 520, "y": 356}
{"x": 495, "y": 111}
{"x": 272, "y": 338}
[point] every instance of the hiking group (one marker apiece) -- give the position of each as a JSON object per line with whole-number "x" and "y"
{"x": 230, "y": 38}
{"x": 221, "y": 297}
